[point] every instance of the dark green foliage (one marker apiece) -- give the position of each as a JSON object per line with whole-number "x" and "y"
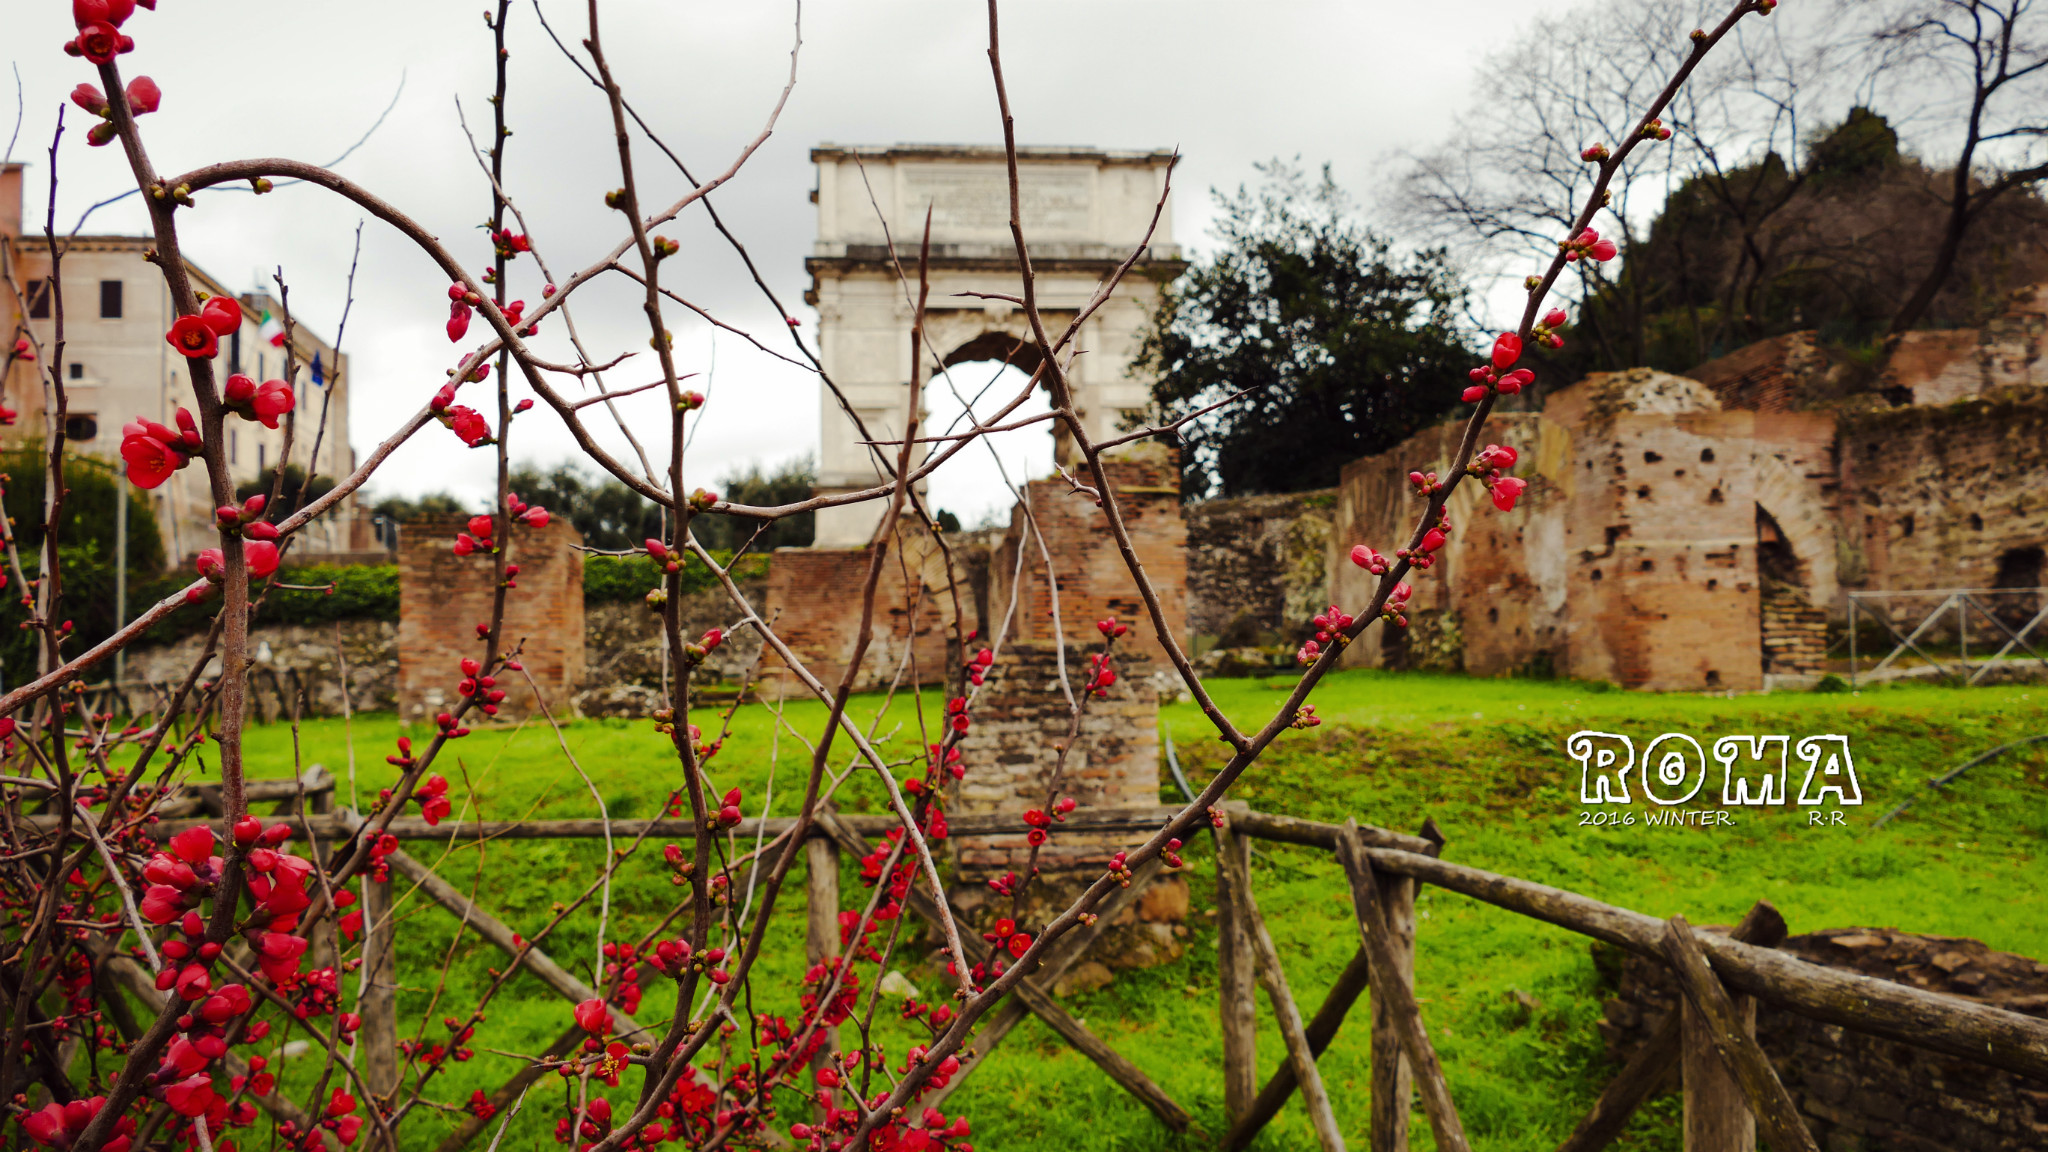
{"x": 289, "y": 499}
{"x": 85, "y": 552}
{"x": 1765, "y": 248}
{"x": 1350, "y": 347}
{"x": 615, "y": 578}
{"x": 89, "y": 513}
{"x": 609, "y": 514}
{"x": 787, "y": 484}
{"x": 402, "y": 508}
{"x": 361, "y": 592}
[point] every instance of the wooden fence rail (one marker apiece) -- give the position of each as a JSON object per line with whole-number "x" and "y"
{"x": 1710, "y": 1037}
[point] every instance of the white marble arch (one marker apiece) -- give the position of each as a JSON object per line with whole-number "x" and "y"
{"x": 1084, "y": 210}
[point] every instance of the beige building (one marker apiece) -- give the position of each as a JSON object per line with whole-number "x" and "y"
{"x": 1083, "y": 211}
{"x": 117, "y": 366}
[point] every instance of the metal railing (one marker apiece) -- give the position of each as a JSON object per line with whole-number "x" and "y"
{"x": 1958, "y": 604}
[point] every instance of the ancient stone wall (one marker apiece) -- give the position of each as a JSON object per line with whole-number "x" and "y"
{"x": 1093, "y": 581}
{"x": 443, "y": 597}
{"x": 1945, "y": 497}
{"x": 1860, "y": 1092}
{"x": 287, "y": 661}
{"x": 1256, "y": 571}
{"x": 814, "y": 603}
{"x": 1020, "y": 721}
{"x": 1632, "y": 556}
{"x": 623, "y": 650}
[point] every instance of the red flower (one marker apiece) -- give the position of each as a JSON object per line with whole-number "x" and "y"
{"x": 99, "y": 42}
{"x": 1495, "y": 456}
{"x": 1506, "y": 490}
{"x": 469, "y": 425}
{"x": 115, "y": 12}
{"x": 481, "y": 526}
{"x": 147, "y": 448}
{"x": 593, "y": 1017}
{"x": 90, "y": 98}
{"x": 162, "y": 903}
{"x": 194, "y": 338}
{"x": 23, "y": 350}
{"x": 458, "y": 320}
{"x": 192, "y": 1096}
{"x": 194, "y": 845}
{"x": 143, "y": 96}
{"x": 1507, "y": 349}
{"x": 261, "y": 556}
{"x": 1369, "y": 560}
{"x": 211, "y": 564}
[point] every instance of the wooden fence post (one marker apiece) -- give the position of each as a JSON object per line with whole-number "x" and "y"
{"x": 319, "y": 791}
{"x": 1236, "y": 983}
{"x": 1270, "y": 973}
{"x": 1393, "y": 1079}
{"x": 377, "y": 1040}
{"x": 821, "y": 862}
{"x": 1391, "y": 987}
{"x": 1659, "y": 1057}
{"x": 1719, "y": 1031}
{"x": 1717, "y": 1118}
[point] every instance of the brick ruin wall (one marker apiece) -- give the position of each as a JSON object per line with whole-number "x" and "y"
{"x": 1021, "y": 719}
{"x": 1633, "y": 556}
{"x": 442, "y": 597}
{"x": 1256, "y": 567}
{"x": 1948, "y": 497}
{"x": 813, "y": 601}
{"x": 1863, "y": 1093}
{"x": 1093, "y": 582}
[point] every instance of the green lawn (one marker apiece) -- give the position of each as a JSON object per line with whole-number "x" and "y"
{"x": 1483, "y": 757}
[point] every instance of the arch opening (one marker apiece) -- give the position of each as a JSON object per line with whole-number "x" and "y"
{"x": 984, "y": 373}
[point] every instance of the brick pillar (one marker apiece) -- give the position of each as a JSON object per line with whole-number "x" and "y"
{"x": 1022, "y": 715}
{"x": 442, "y": 597}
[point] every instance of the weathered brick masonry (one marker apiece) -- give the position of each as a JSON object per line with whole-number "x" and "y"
{"x": 1256, "y": 572}
{"x": 1860, "y": 1093}
{"x": 1093, "y": 580}
{"x": 1669, "y": 540}
{"x": 814, "y": 605}
{"x": 1020, "y": 721}
{"x": 443, "y": 597}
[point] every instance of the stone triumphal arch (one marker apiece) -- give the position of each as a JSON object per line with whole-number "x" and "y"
{"x": 1083, "y": 211}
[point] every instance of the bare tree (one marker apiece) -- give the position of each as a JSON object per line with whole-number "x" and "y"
{"x": 1981, "y": 69}
{"x": 1516, "y": 165}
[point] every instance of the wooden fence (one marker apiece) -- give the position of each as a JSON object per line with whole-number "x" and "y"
{"x": 1730, "y": 1088}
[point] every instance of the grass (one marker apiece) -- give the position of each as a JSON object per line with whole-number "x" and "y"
{"x": 1484, "y": 758}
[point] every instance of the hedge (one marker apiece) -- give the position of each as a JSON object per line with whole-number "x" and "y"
{"x": 370, "y": 591}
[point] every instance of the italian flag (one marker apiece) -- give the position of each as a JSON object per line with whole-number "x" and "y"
{"x": 272, "y": 329}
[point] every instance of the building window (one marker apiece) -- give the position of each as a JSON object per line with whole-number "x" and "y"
{"x": 85, "y": 426}
{"x": 110, "y": 299}
{"x": 262, "y": 453}
{"x": 234, "y": 446}
{"x": 235, "y": 350}
{"x": 39, "y": 299}
{"x": 77, "y": 370}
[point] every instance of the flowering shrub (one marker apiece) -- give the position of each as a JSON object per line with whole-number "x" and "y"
{"x": 225, "y": 922}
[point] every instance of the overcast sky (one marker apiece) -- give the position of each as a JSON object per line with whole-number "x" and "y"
{"x": 1228, "y": 83}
